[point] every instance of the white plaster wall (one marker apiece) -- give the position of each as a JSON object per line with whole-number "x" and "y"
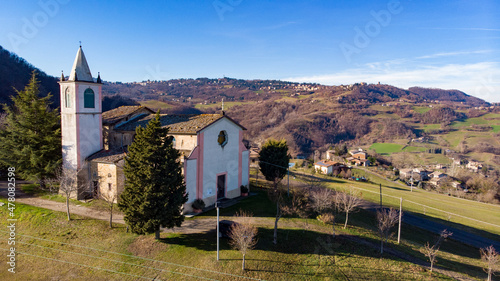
{"x": 68, "y": 132}
{"x": 63, "y": 87}
{"x": 245, "y": 167}
{"x": 88, "y": 141}
{"x": 219, "y": 159}
{"x": 90, "y": 134}
{"x": 190, "y": 178}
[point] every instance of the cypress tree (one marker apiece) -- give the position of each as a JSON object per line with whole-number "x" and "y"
{"x": 154, "y": 189}
{"x": 31, "y": 138}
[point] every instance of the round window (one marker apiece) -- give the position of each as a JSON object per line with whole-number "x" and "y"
{"x": 222, "y": 139}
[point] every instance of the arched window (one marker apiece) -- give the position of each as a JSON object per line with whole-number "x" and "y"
{"x": 88, "y": 98}
{"x": 222, "y": 139}
{"x": 173, "y": 142}
{"x": 67, "y": 98}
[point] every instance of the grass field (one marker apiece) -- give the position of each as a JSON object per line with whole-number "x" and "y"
{"x": 386, "y": 148}
{"x": 496, "y": 128}
{"x": 441, "y": 203}
{"x": 421, "y": 109}
{"x": 431, "y": 127}
{"x": 51, "y": 248}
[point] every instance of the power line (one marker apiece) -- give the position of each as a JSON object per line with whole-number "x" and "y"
{"x": 73, "y": 263}
{"x": 169, "y": 263}
{"x": 148, "y": 267}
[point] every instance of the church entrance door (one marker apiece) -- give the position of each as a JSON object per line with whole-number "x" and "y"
{"x": 221, "y": 186}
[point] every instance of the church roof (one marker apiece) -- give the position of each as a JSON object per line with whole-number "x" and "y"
{"x": 114, "y": 116}
{"x": 108, "y": 156}
{"x": 80, "y": 70}
{"x": 177, "y": 123}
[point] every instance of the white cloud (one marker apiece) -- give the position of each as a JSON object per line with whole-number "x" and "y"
{"x": 449, "y": 54}
{"x": 477, "y": 79}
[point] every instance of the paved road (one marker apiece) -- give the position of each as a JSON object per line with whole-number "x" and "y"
{"x": 408, "y": 218}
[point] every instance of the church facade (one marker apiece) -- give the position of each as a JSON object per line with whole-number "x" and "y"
{"x": 214, "y": 158}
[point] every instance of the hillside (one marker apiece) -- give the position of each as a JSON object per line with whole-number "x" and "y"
{"x": 310, "y": 116}
{"x": 15, "y": 73}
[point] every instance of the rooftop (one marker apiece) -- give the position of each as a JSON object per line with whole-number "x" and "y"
{"x": 113, "y": 116}
{"x": 80, "y": 70}
{"x": 108, "y": 156}
{"x": 185, "y": 123}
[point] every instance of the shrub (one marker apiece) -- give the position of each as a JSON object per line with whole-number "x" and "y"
{"x": 326, "y": 218}
{"x": 243, "y": 189}
{"x": 198, "y": 204}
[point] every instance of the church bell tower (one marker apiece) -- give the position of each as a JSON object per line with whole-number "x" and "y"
{"x": 81, "y": 114}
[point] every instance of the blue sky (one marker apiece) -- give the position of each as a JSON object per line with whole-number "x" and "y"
{"x": 444, "y": 44}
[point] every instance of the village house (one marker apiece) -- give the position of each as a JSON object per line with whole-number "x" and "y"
{"x": 214, "y": 158}
{"x": 329, "y": 167}
{"x": 474, "y": 166}
{"x": 437, "y": 178}
{"x": 358, "y": 158}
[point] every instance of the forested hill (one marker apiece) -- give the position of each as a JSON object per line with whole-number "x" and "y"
{"x": 15, "y": 73}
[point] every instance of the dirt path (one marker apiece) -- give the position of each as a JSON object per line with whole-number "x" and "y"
{"x": 189, "y": 226}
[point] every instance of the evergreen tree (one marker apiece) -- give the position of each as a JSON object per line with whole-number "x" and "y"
{"x": 273, "y": 159}
{"x": 31, "y": 138}
{"x": 273, "y": 162}
{"x": 154, "y": 190}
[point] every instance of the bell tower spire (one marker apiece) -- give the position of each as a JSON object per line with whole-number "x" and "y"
{"x": 81, "y": 115}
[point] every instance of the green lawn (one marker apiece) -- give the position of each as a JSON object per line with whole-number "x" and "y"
{"x": 496, "y": 128}
{"x": 421, "y": 109}
{"x": 386, "y": 148}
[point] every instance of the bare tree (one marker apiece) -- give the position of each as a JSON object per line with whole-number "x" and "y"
{"x": 323, "y": 203}
{"x": 386, "y": 220}
{"x": 431, "y": 251}
{"x": 490, "y": 256}
{"x": 322, "y": 200}
{"x": 67, "y": 179}
{"x": 110, "y": 200}
{"x": 297, "y": 204}
{"x": 243, "y": 234}
{"x": 347, "y": 202}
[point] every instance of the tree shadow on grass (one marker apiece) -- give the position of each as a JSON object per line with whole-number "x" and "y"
{"x": 307, "y": 243}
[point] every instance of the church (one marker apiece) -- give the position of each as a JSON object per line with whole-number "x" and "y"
{"x": 214, "y": 158}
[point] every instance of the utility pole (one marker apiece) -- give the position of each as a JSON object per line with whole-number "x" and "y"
{"x": 218, "y": 233}
{"x": 411, "y": 181}
{"x": 288, "y": 179}
{"x": 400, "y": 213}
{"x": 380, "y": 196}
